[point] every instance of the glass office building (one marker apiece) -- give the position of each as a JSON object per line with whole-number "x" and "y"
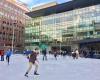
{"x": 74, "y": 24}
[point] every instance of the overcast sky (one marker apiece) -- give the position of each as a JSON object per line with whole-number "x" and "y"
{"x": 31, "y": 3}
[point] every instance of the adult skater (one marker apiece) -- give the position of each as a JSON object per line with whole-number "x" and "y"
{"x": 33, "y": 61}
{"x": 2, "y": 55}
{"x": 8, "y": 54}
{"x": 73, "y": 54}
{"x": 44, "y": 52}
{"x": 55, "y": 54}
{"x": 77, "y": 53}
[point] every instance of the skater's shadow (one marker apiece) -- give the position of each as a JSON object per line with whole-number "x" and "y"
{"x": 36, "y": 78}
{"x": 31, "y": 77}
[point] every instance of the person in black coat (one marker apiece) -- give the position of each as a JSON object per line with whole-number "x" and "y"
{"x": 92, "y": 54}
{"x": 44, "y": 52}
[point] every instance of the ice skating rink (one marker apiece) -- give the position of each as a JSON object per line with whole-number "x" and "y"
{"x": 61, "y": 69}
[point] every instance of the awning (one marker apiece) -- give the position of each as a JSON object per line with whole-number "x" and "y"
{"x": 95, "y": 40}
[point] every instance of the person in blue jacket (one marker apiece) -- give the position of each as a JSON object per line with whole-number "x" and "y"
{"x": 8, "y": 54}
{"x": 27, "y": 52}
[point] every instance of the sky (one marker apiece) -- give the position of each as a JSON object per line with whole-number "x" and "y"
{"x": 31, "y": 3}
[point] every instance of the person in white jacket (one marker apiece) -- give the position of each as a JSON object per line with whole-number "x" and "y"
{"x": 77, "y": 53}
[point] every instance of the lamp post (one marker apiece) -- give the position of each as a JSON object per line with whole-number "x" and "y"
{"x": 60, "y": 46}
{"x": 13, "y": 37}
{"x": 93, "y": 24}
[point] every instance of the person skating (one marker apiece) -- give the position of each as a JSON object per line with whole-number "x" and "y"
{"x": 73, "y": 54}
{"x": 77, "y": 53}
{"x": 8, "y": 54}
{"x": 33, "y": 61}
{"x": 44, "y": 52}
{"x": 55, "y": 55}
{"x": 2, "y": 55}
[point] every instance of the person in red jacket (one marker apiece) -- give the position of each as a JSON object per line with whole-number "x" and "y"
{"x": 2, "y": 55}
{"x": 33, "y": 61}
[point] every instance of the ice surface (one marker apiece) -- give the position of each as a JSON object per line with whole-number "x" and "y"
{"x": 61, "y": 69}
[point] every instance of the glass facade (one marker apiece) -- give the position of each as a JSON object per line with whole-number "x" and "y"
{"x": 66, "y": 27}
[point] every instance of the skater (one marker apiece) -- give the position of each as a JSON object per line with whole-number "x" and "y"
{"x": 2, "y": 55}
{"x": 55, "y": 55}
{"x": 44, "y": 52}
{"x": 73, "y": 54}
{"x": 33, "y": 61}
{"x": 27, "y": 52}
{"x": 77, "y": 53}
{"x": 8, "y": 54}
{"x": 92, "y": 52}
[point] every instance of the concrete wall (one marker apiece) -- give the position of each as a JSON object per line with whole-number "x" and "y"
{"x": 74, "y": 46}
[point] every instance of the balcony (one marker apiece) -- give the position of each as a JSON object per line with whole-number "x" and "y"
{"x": 85, "y": 29}
{"x": 32, "y": 40}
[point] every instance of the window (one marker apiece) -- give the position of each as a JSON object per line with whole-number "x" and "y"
{"x": 36, "y": 23}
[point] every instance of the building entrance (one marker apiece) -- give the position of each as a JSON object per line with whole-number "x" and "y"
{"x": 91, "y": 46}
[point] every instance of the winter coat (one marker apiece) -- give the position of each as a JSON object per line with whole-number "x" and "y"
{"x": 8, "y": 53}
{"x": 33, "y": 57}
{"x": 1, "y": 52}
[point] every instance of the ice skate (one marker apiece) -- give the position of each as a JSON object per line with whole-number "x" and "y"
{"x": 35, "y": 73}
{"x": 26, "y": 74}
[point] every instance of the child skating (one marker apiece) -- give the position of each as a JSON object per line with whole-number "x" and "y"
{"x": 33, "y": 61}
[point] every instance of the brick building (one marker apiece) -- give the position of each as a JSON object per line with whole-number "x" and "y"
{"x": 12, "y": 23}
